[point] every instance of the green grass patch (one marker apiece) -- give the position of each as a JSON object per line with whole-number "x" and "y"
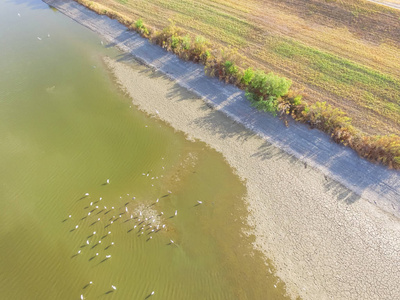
{"x": 342, "y": 77}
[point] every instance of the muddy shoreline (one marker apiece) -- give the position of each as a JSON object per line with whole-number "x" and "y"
{"x": 327, "y": 241}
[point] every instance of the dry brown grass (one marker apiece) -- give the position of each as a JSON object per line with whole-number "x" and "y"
{"x": 271, "y": 93}
{"x": 289, "y": 36}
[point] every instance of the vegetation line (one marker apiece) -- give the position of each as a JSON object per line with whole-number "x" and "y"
{"x": 266, "y": 91}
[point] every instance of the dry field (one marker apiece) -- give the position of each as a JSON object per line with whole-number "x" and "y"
{"x": 344, "y": 52}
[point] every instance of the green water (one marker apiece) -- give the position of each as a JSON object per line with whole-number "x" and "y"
{"x": 65, "y": 129}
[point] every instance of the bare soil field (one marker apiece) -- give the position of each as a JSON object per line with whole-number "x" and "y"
{"x": 343, "y": 52}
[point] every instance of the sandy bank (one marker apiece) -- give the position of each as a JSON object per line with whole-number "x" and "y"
{"x": 326, "y": 241}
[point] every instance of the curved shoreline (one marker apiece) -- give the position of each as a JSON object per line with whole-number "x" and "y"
{"x": 323, "y": 246}
{"x": 375, "y": 183}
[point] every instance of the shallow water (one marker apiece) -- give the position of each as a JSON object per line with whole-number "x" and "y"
{"x": 65, "y": 129}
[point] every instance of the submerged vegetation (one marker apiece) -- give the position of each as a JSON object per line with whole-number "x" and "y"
{"x": 268, "y": 91}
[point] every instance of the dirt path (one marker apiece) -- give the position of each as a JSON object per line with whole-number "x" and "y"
{"x": 327, "y": 241}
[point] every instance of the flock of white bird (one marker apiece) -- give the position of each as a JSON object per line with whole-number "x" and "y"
{"x": 144, "y": 219}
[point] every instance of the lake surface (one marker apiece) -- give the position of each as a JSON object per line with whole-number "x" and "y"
{"x": 170, "y": 220}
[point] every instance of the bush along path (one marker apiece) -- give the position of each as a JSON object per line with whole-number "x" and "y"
{"x": 266, "y": 91}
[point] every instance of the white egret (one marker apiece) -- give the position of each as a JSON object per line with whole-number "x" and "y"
{"x": 108, "y": 180}
{"x": 87, "y": 194}
{"x": 176, "y": 213}
{"x": 114, "y": 287}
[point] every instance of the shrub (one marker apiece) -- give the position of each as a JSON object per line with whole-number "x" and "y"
{"x": 139, "y": 24}
{"x": 142, "y": 29}
{"x": 186, "y": 42}
{"x": 168, "y": 38}
{"x": 174, "y": 42}
{"x": 200, "y": 50}
{"x": 247, "y": 76}
{"x": 323, "y": 116}
{"x": 265, "y": 104}
{"x": 264, "y": 90}
{"x": 230, "y": 68}
{"x": 381, "y": 149}
{"x": 264, "y": 86}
